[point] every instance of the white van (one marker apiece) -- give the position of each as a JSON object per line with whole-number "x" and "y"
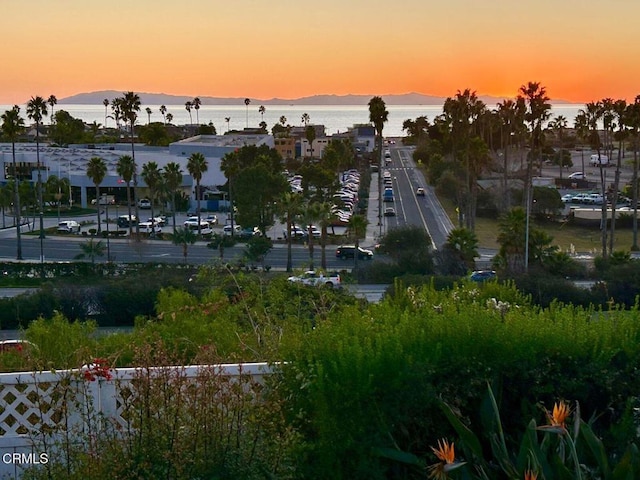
{"x": 594, "y": 162}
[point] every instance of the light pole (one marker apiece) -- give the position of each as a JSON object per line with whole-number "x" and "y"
{"x": 526, "y": 231}
{"x": 105, "y": 199}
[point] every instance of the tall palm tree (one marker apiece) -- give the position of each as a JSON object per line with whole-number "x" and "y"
{"x": 105, "y": 102}
{"x": 510, "y": 112}
{"x": 309, "y": 215}
{"x": 172, "y": 174}
{"x": 153, "y": 178}
{"x": 116, "y": 109}
{"x": 619, "y": 108}
{"x": 310, "y": 136}
{"x": 261, "y": 110}
{"x": 96, "y": 171}
{"x": 187, "y": 106}
{"x": 558, "y": 125}
{"x": 325, "y": 217}
{"x": 197, "y": 165}
{"x": 52, "y": 101}
{"x": 305, "y": 119}
{"x": 130, "y": 106}
{"x": 289, "y": 206}
{"x": 36, "y": 110}
{"x": 378, "y": 115}
{"x": 163, "y": 112}
{"x": 357, "y": 227}
{"x": 633, "y": 121}
{"x": 184, "y": 237}
{"x": 12, "y": 126}
{"x": 169, "y": 118}
{"x": 283, "y": 120}
{"x": 149, "y": 111}
{"x": 125, "y": 168}
{"x": 227, "y": 119}
{"x": 196, "y": 106}
{"x": 247, "y": 101}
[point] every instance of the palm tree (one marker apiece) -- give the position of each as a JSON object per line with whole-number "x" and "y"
{"x": 36, "y": 109}
{"x": 465, "y": 243}
{"x": 227, "y": 119}
{"x": 149, "y": 111}
{"x": 105, "y": 102}
{"x": 96, "y": 171}
{"x": 187, "y": 107}
{"x": 289, "y": 206}
{"x": 125, "y": 168}
{"x": 357, "y": 227}
{"x": 325, "y": 217}
{"x": 91, "y": 249}
{"x": 378, "y": 115}
{"x": 633, "y": 121}
{"x": 12, "y": 126}
{"x": 52, "y": 101}
{"x": 184, "y": 237}
{"x": 305, "y": 119}
{"x": 153, "y": 178}
{"x": 116, "y": 104}
{"x": 511, "y": 238}
{"x": 169, "y": 118}
{"x": 309, "y": 215}
{"x": 196, "y": 106}
{"x": 558, "y": 125}
{"x": 509, "y": 114}
{"x": 261, "y": 110}
{"x": 310, "y": 136}
{"x": 172, "y": 174}
{"x": 197, "y": 165}
{"x": 619, "y": 108}
{"x": 283, "y": 120}
{"x": 247, "y": 101}
{"x": 130, "y": 106}
{"x": 163, "y": 112}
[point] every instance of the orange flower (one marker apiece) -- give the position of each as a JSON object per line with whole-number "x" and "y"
{"x": 557, "y": 418}
{"x": 530, "y": 475}
{"x": 447, "y": 456}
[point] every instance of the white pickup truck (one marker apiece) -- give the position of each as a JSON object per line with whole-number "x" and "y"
{"x": 317, "y": 279}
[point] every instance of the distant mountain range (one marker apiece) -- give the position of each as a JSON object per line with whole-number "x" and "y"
{"x": 92, "y": 98}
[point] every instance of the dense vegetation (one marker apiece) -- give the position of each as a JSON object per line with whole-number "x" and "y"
{"x": 362, "y": 392}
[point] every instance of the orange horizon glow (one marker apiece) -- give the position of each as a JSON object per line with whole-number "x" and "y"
{"x": 264, "y": 50}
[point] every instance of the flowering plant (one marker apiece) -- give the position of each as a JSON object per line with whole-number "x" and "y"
{"x": 98, "y": 369}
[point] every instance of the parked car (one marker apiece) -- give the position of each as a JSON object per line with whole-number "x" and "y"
{"x": 578, "y": 176}
{"x": 144, "y": 203}
{"x": 349, "y": 251}
{"x": 124, "y": 221}
{"x": 249, "y": 232}
{"x": 212, "y": 219}
{"x": 149, "y": 228}
{"x": 482, "y": 275}
{"x": 69, "y": 226}
{"x": 226, "y": 230}
{"x": 205, "y": 229}
{"x": 296, "y": 232}
{"x": 317, "y": 279}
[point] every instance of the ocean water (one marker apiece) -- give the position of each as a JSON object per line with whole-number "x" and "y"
{"x": 335, "y": 118}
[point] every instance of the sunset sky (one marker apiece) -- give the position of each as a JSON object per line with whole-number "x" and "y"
{"x": 581, "y": 50}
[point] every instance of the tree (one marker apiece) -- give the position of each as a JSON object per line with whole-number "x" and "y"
{"x": 511, "y": 117}
{"x": 378, "y": 115}
{"x": 227, "y": 119}
{"x": 163, "y": 112}
{"x": 52, "y": 101}
{"x": 12, "y": 126}
{"x": 36, "y": 110}
{"x": 247, "y": 101}
{"x": 325, "y": 217}
{"x": 66, "y": 129}
{"x": 153, "y": 178}
{"x": 305, "y": 119}
{"x": 125, "y": 168}
{"x": 196, "y": 106}
{"x": 105, "y": 102}
{"x": 261, "y": 110}
{"x": 172, "y": 174}
{"x": 633, "y": 121}
{"x": 308, "y": 216}
{"x": 619, "y": 109}
{"x": 149, "y": 111}
{"x": 91, "y": 249}
{"x": 558, "y": 125}
{"x": 96, "y": 171}
{"x": 257, "y": 249}
{"x": 54, "y": 186}
{"x": 357, "y": 228}
{"x": 130, "y": 106}
{"x": 289, "y": 207}
{"x": 169, "y": 118}
{"x": 187, "y": 107}
{"x": 196, "y": 166}
{"x": 410, "y": 248}
{"x": 184, "y": 237}
{"x": 464, "y": 243}
{"x": 310, "y": 136}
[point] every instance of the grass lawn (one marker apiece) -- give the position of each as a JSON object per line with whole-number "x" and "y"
{"x": 584, "y": 239}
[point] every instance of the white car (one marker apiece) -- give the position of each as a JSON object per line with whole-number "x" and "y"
{"x": 144, "y": 203}
{"x": 317, "y": 279}
{"x": 226, "y": 230}
{"x": 568, "y": 198}
{"x": 193, "y": 222}
{"x": 149, "y": 228}
{"x": 69, "y": 226}
{"x": 578, "y": 176}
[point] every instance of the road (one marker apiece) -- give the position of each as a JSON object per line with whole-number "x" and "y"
{"x": 426, "y": 212}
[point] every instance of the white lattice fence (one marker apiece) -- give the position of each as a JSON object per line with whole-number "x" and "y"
{"x": 34, "y": 404}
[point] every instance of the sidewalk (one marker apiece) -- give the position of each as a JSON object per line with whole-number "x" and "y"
{"x": 373, "y": 228}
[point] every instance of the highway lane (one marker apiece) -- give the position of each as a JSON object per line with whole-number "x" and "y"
{"x": 426, "y": 211}
{"x": 59, "y": 248}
